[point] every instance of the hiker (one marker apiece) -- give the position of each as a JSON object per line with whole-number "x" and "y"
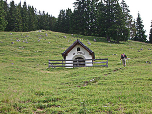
{"x": 123, "y": 57}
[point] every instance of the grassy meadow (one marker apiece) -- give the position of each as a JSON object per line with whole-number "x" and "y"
{"x": 27, "y": 85}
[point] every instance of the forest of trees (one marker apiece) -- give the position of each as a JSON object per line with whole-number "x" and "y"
{"x": 23, "y": 18}
{"x": 104, "y": 18}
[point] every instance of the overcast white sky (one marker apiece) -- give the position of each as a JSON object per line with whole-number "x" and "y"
{"x": 53, "y": 7}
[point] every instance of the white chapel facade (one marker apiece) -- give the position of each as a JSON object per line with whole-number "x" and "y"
{"x": 78, "y": 51}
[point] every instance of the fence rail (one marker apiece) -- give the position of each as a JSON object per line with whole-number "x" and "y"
{"x": 79, "y": 63}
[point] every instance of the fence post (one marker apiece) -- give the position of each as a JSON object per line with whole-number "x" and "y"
{"x": 77, "y": 62}
{"x": 62, "y": 62}
{"x": 49, "y": 63}
{"x": 107, "y": 63}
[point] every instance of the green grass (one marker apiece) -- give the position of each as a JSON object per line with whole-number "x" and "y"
{"x": 27, "y": 85}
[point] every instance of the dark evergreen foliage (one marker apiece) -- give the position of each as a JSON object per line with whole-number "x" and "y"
{"x": 80, "y": 6}
{"x": 19, "y": 18}
{"x": 112, "y": 21}
{"x": 12, "y": 19}
{"x": 32, "y": 21}
{"x": 140, "y": 33}
{"x": 150, "y": 35}
{"x": 3, "y": 22}
{"x": 68, "y": 20}
{"x": 105, "y": 18}
{"x": 23, "y": 18}
{"x": 59, "y": 27}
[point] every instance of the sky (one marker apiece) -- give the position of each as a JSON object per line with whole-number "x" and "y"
{"x": 53, "y": 8}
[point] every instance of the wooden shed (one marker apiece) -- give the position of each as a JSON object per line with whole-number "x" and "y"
{"x": 79, "y": 53}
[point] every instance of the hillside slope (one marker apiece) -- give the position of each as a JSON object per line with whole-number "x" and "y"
{"x": 29, "y": 86}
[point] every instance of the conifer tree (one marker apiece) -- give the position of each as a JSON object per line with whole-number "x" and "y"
{"x": 32, "y": 21}
{"x": 128, "y": 18}
{"x": 140, "y": 33}
{"x": 12, "y": 17}
{"x": 6, "y": 8}
{"x": 115, "y": 27}
{"x": 132, "y": 29}
{"x": 44, "y": 20}
{"x": 25, "y": 18}
{"x": 119, "y": 31}
{"x": 18, "y": 26}
{"x": 52, "y": 21}
{"x": 60, "y": 25}
{"x": 39, "y": 18}
{"x": 150, "y": 35}
{"x": 3, "y": 22}
{"x": 74, "y": 22}
{"x": 101, "y": 19}
{"x": 68, "y": 20}
{"x": 126, "y": 12}
{"x": 80, "y": 7}
{"x": 47, "y": 21}
{"x": 91, "y": 17}
{"x": 109, "y": 16}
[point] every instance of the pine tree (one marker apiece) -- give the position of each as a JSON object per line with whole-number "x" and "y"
{"x": 128, "y": 18}
{"x": 44, "y": 21}
{"x": 109, "y": 16}
{"x": 132, "y": 29}
{"x": 126, "y": 12}
{"x": 101, "y": 19}
{"x": 52, "y": 21}
{"x": 32, "y": 21}
{"x": 150, "y": 35}
{"x": 6, "y": 8}
{"x": 80, "y": 7}
{"x": 74, "y": 28}
{"x": 91, "y": 17}
{"x": 18, "y": 26}
{"x": 118, "y": 30}
{"x": 47, "y": 21}
{"x": 3, "y": 22}
{"x": 115, "y": 26}
{"x": 39, "y": 16}
{"x": 140, "y": 33}
{"x": 25, "y": 18}
{"x": 68, "y": 20}
{"x": 12, "y": 17}
{"x": 60, "y": 25}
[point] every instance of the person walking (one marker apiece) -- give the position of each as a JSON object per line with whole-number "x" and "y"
{"x": 123, "y": 57}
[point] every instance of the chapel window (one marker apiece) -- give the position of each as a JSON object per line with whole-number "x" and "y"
{"x": 78, "y": 49}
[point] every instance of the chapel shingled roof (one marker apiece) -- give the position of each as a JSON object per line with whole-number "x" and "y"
{"x": 78, "y": 42}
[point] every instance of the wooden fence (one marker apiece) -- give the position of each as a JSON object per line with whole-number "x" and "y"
{"x": 79, "y": 63}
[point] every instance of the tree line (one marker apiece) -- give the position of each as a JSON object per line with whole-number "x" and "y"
{"x": 14, "y": 17}
{"x": 104, "y": 18}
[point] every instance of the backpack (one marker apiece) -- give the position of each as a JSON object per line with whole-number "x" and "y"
{"x": 123, "y": 56}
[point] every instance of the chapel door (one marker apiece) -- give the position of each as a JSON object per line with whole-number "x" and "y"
{"x": 79, "y": 61}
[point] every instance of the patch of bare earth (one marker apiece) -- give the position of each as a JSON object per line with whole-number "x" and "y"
{"x": 45, "y": 71}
